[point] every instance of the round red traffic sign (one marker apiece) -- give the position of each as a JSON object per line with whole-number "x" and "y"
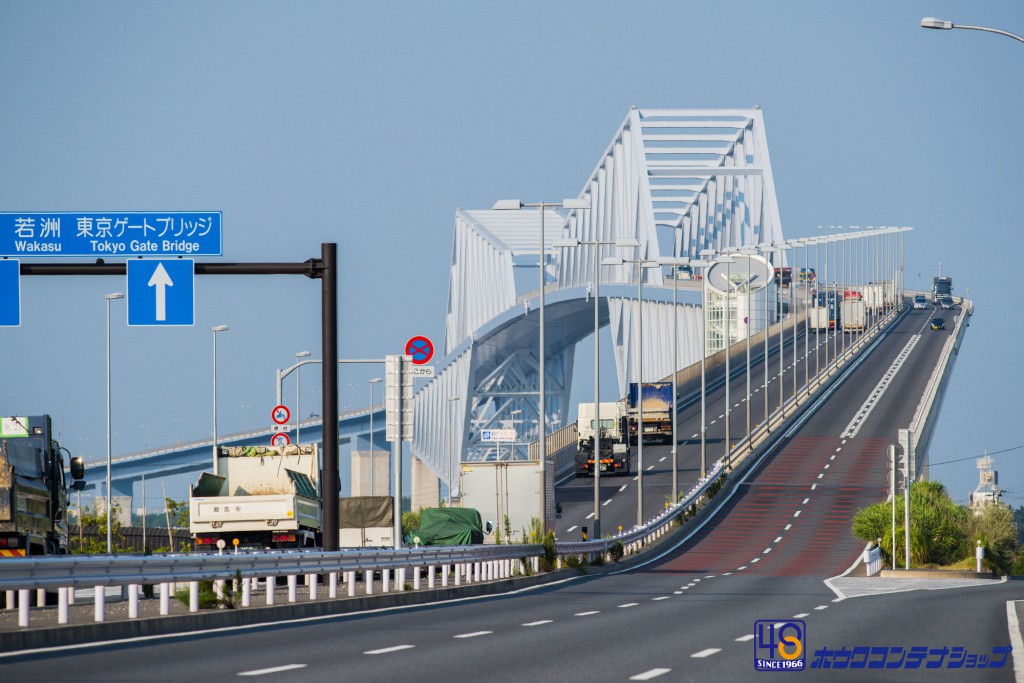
{"x": 421, "y": 349}
{"x": 281, "y": 415}
{"x": 280, "y": 439}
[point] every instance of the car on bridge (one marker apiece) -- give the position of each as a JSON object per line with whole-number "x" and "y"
{"x": 920, "y": 301}
{"x": 938, "y": 324}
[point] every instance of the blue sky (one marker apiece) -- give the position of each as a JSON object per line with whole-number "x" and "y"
{"x": 368, "y": 124}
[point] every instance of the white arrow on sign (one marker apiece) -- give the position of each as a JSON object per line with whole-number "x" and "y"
{"x": 161, "y": 280}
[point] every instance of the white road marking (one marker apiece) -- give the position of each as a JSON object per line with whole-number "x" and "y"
{"x": 797, "y": 513}
{"x": 678, "y": 592}
{"x": 662, "y": 459}
{"x": 710, "y": 576}
{"x": 386, "y": 650}
{"x": 273, "y": 670}
{"x": 623, "y": 487}
{"x": 706, "y": 653}
{"x": 805, "y": 501}
{"x": 743, "y": 639}
{"x": 692, "y": 437}
{"x": 648, "y": 675}
{"x": 586, "y": 614}
{"x": 755, "y": 560}
{"x": 571, "y": 529}
{"x": 739, "y": 569}
{"x": 801, "y": 615}
{"x": 814, "y": 486}
{"x": 696, "y": 580}
{"x": 821, "y": 475}
{"x": 629, "y": 604}
{"x": 607, "y": 501}
{"x": 827, "y": 465}
{"x": 778, "y": 539}
{"x": 539, "y": 623}
{"x": 861, "y": 416}
{"x": 766, "y": 550}
{"x": 712, "y": 422}
{"x": 589, "y": 516}
{"x": 663, "y": 597}
{"x": 727, "y": 574}
{"x": 650, "y": 468}
{"x": 821, "y": 607}
{"x": 474, "y": 634}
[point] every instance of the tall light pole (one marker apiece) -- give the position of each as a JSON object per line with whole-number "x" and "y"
{"x": 707, "y": 256}
{"x": 747, "y": 251}
{"x": 216, "y": 329}
{"x": 516, "y": 205}
{"x": 767, "y": 250}
{"x": 640, "y": 265}
{"x": 676, "y": 263}
{"x": 932, "y": 22}
{"x": 110, "y": 508}
{"x": 373, "y": 490}
{"x": 781, "y": 248}
{"x": 597, "y": 244}
{"x": 298, "y": 374}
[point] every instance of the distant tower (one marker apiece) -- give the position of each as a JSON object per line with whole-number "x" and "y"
{"x": 988, "y": 485}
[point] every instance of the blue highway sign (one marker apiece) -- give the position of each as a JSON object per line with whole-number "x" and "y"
{"x": 111, "y": 233}
{"x": 161, "y": 292}
{"x": 10, "y": 293}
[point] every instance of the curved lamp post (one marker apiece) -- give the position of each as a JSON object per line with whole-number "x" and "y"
{"x": 932, "y": 22}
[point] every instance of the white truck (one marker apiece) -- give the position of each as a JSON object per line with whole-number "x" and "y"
{"x": 615, "y": 452}
{"x": 853, "y": 314}
{"x": 262, "y": 497}
{"x": 878, "y": 295}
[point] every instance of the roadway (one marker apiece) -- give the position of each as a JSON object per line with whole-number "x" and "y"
{"x": 688, "y": 614}
{"x": 618, "y": 494}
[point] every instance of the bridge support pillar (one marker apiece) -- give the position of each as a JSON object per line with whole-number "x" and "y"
{"x": 371, "y": 473}
{"x": 426, "y": 487}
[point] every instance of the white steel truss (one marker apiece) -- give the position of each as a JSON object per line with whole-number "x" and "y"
{"x": 678, "y": 181}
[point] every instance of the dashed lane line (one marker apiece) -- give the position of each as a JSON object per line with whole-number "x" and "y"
{"x": 587, "y": 614}
{"x": 539, "y": 623}
{"x": 648, "y": 675}
{"x": 272, "y": 670}
{"x": 474, "y": 634}
{"x": 706, "y": 653}
{"x": 388, "y": 650}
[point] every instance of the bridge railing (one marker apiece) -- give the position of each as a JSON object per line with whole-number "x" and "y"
{"x": 64, "y": 575}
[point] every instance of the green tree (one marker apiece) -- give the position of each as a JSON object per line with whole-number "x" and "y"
{"x": 939, "y": 527}
{"x": 995, "y": 527}
{"x": 96, "y": 545}
{"x": 178, "y": 512}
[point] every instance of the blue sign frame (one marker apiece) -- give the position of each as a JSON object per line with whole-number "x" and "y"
{"x": 111, "y": 233}
{"x": 10, "y": 293}
{"x": 161, "y": 293}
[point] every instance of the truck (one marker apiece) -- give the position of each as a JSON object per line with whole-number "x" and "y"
{"x": 263, "y": 497}
{"x": 366, "y": 522}
{"x": 823, "y": 313}
{"x": 853, "y": 314}
{"x": 878, "y": 295}
{"x": 615, "y": 452}
{"x": 942, "y": 285}
{"x": 656, "y": 398}
{"x": 33, "y": 490}
{"x": 507, "y": 494}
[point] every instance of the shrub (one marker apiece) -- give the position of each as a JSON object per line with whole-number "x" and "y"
{"x": 616, "y": 551}
{"x": 547, "y": 560}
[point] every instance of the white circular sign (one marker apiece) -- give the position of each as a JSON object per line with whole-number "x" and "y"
{"x": 748, "y": 271}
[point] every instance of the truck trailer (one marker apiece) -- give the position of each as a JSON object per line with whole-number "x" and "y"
{"x": 263, "y": 497}
{"x": 656, "y": 398}
{"x": 33, "y": 491}
{"x": 615, "y": 452}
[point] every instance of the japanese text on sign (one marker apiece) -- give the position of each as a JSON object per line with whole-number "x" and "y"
{"x": 111, "y": 233}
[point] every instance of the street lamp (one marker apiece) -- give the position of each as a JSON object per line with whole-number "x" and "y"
{"x": 707, "y": 257}
{"x": 298, "y": 413}
{"x": 641, "y": 264}
{"x": 676, "y": 263}
{"x": 621, "y": 242}
{"x": 517, "y": 205}
{"x": 781, "y": 247}
{"x": 932, "y": 22}
{"x": 215, "y": 329}
{"x": 728, "y": 260}
{"x": 373, "y": 490}
{"x": 110, "y": 510}
{"x": 768, "y": 250}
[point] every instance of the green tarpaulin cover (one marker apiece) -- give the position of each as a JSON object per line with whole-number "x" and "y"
{"x": 450, "y": 526}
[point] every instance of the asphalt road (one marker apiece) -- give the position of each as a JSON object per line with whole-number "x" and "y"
{"x": 690, "y": 614}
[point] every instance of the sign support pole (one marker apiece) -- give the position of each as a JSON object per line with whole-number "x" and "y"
{"x": 329, "y": 333}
